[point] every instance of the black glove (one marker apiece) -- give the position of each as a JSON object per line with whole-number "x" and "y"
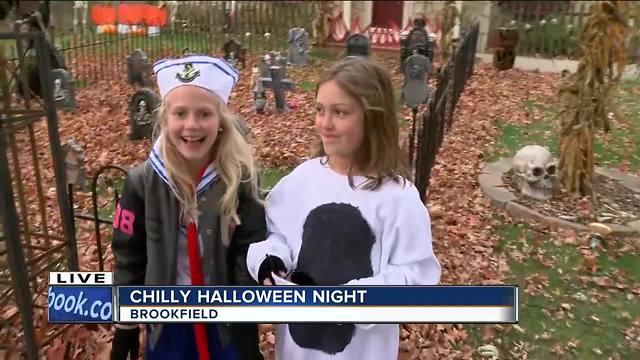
{"x": 125, "y": 342}
{"x": 270, "y": 264}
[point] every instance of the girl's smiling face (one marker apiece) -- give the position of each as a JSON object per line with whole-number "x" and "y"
{"x": 192, "y": 122}
{"x": 339, "y": 120}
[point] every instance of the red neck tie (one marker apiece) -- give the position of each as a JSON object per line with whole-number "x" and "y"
{"x": 197, "y": 278}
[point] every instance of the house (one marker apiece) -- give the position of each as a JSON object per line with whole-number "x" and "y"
{"x": 383, "y": 22}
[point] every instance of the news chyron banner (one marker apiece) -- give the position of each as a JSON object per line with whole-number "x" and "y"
{"x": 90, "y": 299}
{"x": 80, "y": 297}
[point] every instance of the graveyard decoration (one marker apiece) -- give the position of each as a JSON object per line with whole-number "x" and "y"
{"x": 33, "y": 17}
{"x": 415, "y": 90}
{"x": 358, "y": 45}
{"x": 279, "y": 85}
{"x": 272, "y": 58}
{"x": 142, "y": 113}
{"x": 63, "y": 89}
{"x": 138, "y": 69}
{"x": 74, "y": 165}
{"x": 259, "y": 96}
{"x": 587, "y": 94}
{"x": 416, "y": 71}
{"x": 418, "y": 41}
{"x": 321, "y": 22}
{"x": 536, "y": 170}
{"x": 504, "y": 51}
{"x": 450, "y": 16}
{"x": 234, "y": 52}
{"x": 298, "y": 44}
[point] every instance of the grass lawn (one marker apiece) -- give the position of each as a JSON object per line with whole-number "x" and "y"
{"x": 565, "y": 311}
{"x": 269, "y": 177}
{"x": 620, "y": 146}
{"x": 563, "y": 315}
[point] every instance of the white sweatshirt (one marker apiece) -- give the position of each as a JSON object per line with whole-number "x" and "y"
{"x": 337, "y": 235}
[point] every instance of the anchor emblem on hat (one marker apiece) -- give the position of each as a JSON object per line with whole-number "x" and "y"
{"x": 188, "y": 73}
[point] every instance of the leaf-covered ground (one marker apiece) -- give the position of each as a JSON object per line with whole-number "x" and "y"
{"x": 575, "y": 303}
{"x": 474, "y": 245}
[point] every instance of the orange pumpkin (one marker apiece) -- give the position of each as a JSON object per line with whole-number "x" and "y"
{"x": 109, "y": 29}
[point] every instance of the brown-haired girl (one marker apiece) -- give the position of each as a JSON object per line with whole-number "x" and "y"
{"x": 347, "y": 216}
{"x": 188, "y": 214}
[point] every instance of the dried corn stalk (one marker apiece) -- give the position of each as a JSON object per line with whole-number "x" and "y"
{"x": 587, "y": 94}
{"x": 450, "y": 15}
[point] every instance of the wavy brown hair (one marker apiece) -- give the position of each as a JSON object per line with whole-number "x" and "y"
{"x": 379, "y": 157}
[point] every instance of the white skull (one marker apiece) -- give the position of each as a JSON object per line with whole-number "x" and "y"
{"x": 536, "y": 169}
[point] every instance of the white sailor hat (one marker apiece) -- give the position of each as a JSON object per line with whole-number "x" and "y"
{"x": 213, "y": 74}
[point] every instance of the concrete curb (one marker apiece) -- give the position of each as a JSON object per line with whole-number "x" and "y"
{"x": 490, "y": 181}
{"x": 527, "y": 63}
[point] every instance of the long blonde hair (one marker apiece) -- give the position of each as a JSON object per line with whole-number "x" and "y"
{"x": 234, "y": 162}
{"x": 380, "y": 156}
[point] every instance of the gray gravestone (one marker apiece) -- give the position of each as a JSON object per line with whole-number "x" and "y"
{"x": 358, "y": 45}
{"x": 142, "y": 115}
{"x": 279, "y": 85}
{"x": 416, "y": 70}
{"x": 259, "y": 96}
{"x": 270, "y": 59}
{"x": 234, "y": 52}
{"x": 298, "y": 46}
{"x": 64, "y": 94}
{"x": 73, "y": 155}
{"x": 138, "y": 69}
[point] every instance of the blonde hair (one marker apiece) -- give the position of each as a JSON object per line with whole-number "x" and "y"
{"x": 380, "y": 156}
{"x": 235, "y": 165}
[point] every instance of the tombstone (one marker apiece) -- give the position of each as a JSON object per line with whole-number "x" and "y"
{"x": 358, "y": 45}
{"x": 234, "y": 52}
{"x": 416, "y": 70}
{"x": 298, "y": 46}
{"x": 64, "y": 94}
{"x": 142, "y": 108}
{"x": 259, "y": 96}
{"x": 272, "y": 58}
{"x": 75, "y": 170}
{"x": 279, "y": 85}
{"x": 138, "y": 69}
{"x": 417, "y": 41}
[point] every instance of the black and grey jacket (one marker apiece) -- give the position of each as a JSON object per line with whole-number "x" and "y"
{"x": 145, "y": 243}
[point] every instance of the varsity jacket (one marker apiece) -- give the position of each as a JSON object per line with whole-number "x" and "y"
{"x": 145, "y": 243}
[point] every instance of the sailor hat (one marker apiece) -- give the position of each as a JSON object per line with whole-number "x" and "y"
{"x": 213, "y": 74}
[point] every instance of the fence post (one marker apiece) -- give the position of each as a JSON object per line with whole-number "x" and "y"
{"x": 44, "y": 67}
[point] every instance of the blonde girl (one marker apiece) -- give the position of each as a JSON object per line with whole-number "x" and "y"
{"x": 189, "y": 213}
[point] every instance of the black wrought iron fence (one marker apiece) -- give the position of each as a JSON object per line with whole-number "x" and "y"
{"x": 95, "y": 55}
{"x": 37, "y": 224}
{"x": 438, "y": 116}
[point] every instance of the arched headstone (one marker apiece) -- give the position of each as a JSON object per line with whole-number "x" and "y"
{"x": 416, "y": 70}
{"x": 142, "y": 115}
{"x": 64, "y": 94}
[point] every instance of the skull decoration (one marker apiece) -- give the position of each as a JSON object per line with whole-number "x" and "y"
{"x": 536, "y": 169}
{"x": 58, "y": 91}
